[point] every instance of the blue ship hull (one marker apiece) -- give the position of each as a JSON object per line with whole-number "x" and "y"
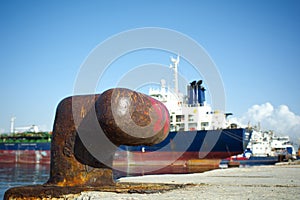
{"x": 43, "y": 146}
{"x": 215, "y": 144}
{"x": 189, "y": 145}
{"x": 182, "y": 152}
{"x": 254, "y": 160}
{"x": 29, "y": 153}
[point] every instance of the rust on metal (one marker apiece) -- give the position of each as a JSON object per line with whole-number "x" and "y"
{"x": 67, "y": 192}
{"x": 131, "y": 118}
{"x": 126, "y": 118}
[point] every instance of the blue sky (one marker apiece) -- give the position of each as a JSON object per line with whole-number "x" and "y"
{"x": 254, "y": 44}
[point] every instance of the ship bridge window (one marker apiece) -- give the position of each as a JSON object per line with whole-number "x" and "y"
{"x": 179, "y": 118}
{"x": 158, "y": 96}
{"x": 191, "y": 118}
{"x": 204, "y": 124}
{"x": 181, "y": 127}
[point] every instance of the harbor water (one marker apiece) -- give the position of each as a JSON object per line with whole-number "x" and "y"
{"x": 12, "y": 175}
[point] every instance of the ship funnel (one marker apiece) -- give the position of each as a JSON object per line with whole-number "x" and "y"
{"x": 201, "y": 93}
{"x": 192, "y": 93}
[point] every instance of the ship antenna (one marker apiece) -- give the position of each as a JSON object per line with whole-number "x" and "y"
{"x": 174, "y": 65}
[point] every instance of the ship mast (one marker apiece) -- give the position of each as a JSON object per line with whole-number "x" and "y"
{"x": 174, "y": 65}
{"x": 12, "y": 124}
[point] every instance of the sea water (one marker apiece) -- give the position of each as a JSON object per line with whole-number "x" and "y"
{"x": 13, "y": 175}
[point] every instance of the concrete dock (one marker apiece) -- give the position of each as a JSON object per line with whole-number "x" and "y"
{"x": 259, "y": 182}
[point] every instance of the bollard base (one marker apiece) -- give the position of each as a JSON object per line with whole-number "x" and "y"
{"x": 69, "y": 192}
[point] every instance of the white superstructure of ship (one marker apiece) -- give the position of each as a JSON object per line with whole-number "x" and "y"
{"x": 199, "y": 138}
{"x": 190, "y": 112}
{"x": 266, "y": 143}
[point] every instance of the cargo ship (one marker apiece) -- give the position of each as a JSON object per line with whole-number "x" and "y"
{"x": 198, "y": 140}
{"x": 199, "y": 137}
{"x": 29, "y": 147}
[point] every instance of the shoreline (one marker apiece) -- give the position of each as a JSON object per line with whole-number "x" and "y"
{"x": 258, "y": 182}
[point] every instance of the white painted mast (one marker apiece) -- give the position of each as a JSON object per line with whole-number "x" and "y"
{"x": 12, "y": 124}
{"x": 174, "y": 65}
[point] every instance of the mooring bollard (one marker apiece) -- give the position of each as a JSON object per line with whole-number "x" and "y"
{"x": 87, "y": 131}
{"x": 125, "y": 118}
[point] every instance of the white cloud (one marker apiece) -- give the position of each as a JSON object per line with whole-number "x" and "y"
{"x": 280, "y": 119}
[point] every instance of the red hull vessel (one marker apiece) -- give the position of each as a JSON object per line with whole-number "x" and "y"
{"x": 27, "y": 148}
{"x": 25, "y": 156}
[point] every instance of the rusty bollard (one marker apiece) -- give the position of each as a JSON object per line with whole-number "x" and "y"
{"x": 87, "y": 131}
{"x": 71, "y": 162}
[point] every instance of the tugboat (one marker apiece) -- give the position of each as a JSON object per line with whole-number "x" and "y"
{"x": 198, "y": 140}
